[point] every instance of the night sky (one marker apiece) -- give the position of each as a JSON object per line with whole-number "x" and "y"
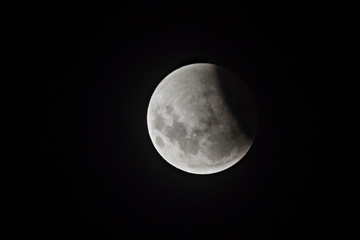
{"x": 79, "y": 162}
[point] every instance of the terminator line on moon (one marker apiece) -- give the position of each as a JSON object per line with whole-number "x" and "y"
{"x": 202, "y": 118}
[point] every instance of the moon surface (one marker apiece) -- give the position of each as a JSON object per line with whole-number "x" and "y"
{"x": 202, "y": 118}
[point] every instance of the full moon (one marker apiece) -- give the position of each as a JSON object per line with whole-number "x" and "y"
{"x": 202, "y": 118}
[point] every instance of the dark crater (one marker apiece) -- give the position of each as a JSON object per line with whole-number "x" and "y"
{"x": 189, "y": 145}
{"x": 159, "y": 142}
{"x": 176, "y": 131}
{"x": 159, "y": 123}
{"x": 222, "y": 143}
{"x": 169, "y": 109}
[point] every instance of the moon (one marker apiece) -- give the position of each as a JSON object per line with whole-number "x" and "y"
{"x": 202, "y": 118}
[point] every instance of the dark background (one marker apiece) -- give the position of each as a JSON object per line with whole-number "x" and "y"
{"x": 78, "y": 158}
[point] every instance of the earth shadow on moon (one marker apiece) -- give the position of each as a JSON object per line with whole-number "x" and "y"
{"x": 238, "y": 100}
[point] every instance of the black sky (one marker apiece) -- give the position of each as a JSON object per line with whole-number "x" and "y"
{"x": 78, "y": 158}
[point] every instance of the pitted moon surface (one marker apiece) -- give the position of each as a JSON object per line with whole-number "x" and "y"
{"x": 191, "y": 124}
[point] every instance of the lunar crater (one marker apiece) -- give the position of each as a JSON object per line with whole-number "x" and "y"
{"x": 159, "y": 123}
{"x": 176, "y": 131}
{"x": 159, "y": 142}
{"x": 189, "y": 145}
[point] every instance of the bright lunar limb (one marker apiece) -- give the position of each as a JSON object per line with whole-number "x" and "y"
{"x": 202, "y": 118}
